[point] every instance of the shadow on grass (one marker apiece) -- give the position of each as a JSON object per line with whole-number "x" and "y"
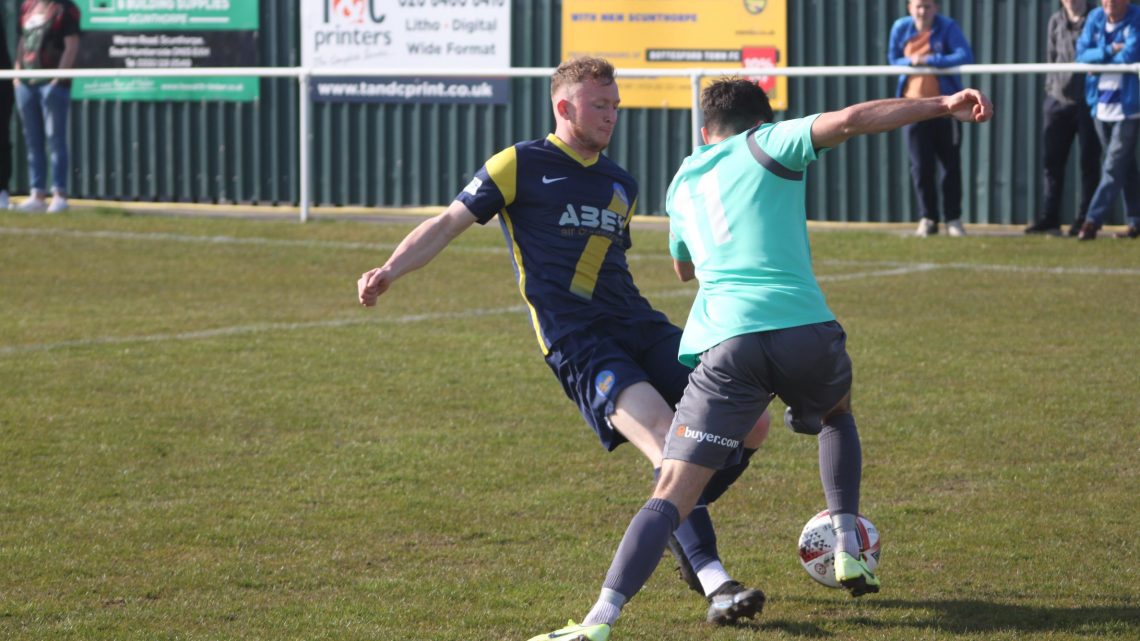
{"x": 977, "y": 617}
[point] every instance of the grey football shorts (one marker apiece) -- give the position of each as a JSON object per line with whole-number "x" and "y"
{"x": 807, "y": 367}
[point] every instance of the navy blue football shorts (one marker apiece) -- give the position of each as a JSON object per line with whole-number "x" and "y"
{"x": 596, "y": 365}
{"x": 807, "y": 367}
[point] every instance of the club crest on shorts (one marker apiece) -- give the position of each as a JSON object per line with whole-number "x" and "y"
{"x": 604, "y": 382}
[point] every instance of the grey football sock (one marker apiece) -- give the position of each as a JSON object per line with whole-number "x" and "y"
{"x": 840, "y": 464}
{"x": 641, "y": 547}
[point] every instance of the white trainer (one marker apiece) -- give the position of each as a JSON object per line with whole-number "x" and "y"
{"x": 5, "y": 201}
{"x": 955, "y": 228}
{"x": 926, "y": 227}
{"x": 32, "y": 205}
{"x": 58, "y": 204}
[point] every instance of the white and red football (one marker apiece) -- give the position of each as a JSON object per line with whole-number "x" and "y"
{"x": 817, "y": 547}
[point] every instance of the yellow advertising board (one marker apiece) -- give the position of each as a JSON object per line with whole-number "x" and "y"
{"x": 748, "y": 35}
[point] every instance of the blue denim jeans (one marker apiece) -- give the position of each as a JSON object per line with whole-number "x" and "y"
{"x": 1119, "y": 173}
{"x": 43, "y": 110}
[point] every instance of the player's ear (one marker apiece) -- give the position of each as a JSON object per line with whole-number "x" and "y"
{"x": 704, "y": 135}
{"x": 563, "y": 108}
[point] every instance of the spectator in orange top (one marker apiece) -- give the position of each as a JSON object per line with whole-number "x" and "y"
{"x": 926, "y": 38}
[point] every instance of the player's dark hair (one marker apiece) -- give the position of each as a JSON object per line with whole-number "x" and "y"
{"x": 575, "y": 71}
{"x": 732, "y": 105}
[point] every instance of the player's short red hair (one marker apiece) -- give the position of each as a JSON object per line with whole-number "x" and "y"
{"x": 575, "y": 71}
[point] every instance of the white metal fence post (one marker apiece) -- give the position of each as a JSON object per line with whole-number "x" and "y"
{"x": 696, "y": 117}
{"x": 303, "y": 161}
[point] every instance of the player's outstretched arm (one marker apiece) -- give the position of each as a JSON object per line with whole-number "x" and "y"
{"x": 835, "y": 127}
{"x": 416, "y": 250}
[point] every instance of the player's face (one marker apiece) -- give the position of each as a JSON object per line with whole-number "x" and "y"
{"x": 593, "y": 114}
{"x": 923, "y": 12}
{"x": 1115, "y": 9}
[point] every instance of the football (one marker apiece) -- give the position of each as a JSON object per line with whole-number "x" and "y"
{"x": 817, "y": 547}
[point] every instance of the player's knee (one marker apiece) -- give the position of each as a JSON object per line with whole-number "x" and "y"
{"x": 682, "y": 489}
{"x": 759, "y": 431}
{"x": 842, "y": 407}
{"x": 655, "y": 435}
{"x": 801, "y": 423}
{"x": 640, "y": 414}
{"x": 840, "y": 421}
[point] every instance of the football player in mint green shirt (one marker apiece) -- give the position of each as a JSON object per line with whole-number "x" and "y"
{"x": 759, "y": 326}
{"x": 564, "y": 209}
{"x": 736, "y": 212}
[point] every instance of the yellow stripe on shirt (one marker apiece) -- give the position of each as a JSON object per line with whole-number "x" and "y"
{"x": 590, "y": 263}
{"x": 503, "y": 169}
{"x": 522, "y": 280}
{"x": 589, "y": 266}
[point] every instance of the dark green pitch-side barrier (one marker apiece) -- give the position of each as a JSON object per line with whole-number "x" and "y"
{"x": 414, "y": 155}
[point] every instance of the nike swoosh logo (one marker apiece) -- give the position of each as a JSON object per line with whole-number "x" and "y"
{"x": 547, "y": 181}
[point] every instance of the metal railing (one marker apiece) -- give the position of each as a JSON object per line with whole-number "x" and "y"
{"x": 303, "y": 75}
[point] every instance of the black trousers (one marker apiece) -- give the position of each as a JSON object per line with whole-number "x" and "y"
{"x": 7, "y": 99}
{"x": 936, "y": 145}
{"x": 1063, "y": 124}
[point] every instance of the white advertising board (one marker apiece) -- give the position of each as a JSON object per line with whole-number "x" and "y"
{"x": 408, "y": 34}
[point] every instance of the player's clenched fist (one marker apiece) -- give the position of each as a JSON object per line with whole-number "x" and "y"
{"x": 372, "y": 283}
{"x": 970, "y": 105}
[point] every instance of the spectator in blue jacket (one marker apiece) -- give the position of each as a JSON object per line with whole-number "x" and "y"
{"x": 927, "y": 39}
{"x": 1111, "y": 37}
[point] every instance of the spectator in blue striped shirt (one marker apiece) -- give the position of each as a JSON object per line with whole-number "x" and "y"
{"x": 1112, "y": 36}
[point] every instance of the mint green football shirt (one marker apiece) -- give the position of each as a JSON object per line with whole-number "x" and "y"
{"x": 737, "y": 212}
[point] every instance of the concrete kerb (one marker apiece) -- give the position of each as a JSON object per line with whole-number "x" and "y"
{"x": 410, "y": 214}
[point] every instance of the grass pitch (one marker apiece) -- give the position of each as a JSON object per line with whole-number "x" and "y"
{"x": 203, "y": 436}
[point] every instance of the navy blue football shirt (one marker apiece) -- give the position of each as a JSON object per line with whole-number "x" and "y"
{"x": 566, "y": 222}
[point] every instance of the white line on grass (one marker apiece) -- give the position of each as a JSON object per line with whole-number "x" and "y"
{"x": 262, "y": 328}
{"x": 1060, "y": 271}
{"x": 893, "y": 269}
{"x": 986, "y": 267}
{"x": 826, "y": 278}
{"x": 218, "y": 240}
{"x": 336, "y": 244}
{"x": 257, "y": 328}
{"x": 901, "y": 270}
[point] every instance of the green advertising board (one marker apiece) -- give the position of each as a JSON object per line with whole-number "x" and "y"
{"x": 168, "y": 34}
{"x": 170, "y": 15}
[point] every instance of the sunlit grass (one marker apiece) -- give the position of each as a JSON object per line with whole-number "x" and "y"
{"x": 203, "y": 436}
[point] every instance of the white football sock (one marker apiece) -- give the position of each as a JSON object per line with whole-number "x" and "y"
{"x": 712, "y": 576}
{"x": 606, "y": 610}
